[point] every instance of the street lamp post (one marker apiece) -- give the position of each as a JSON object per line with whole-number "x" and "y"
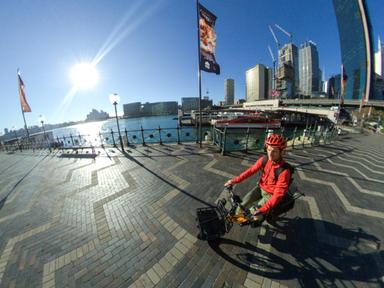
{"x": 17, "y": 140}
{"x": 115, "y": 99}
{"x": 41, "y": 120}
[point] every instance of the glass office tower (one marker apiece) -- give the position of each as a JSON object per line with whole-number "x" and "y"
{"x": 229, "y": 91}
{"x": 356, "y": 47}
{"x": 309, "y": 68}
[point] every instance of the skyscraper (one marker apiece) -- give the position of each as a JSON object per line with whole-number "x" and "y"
{"x": 288, "y": 56}
{"x": 356, "y": 46}
{"x": 309, "y": 68}
{"x": 256, "y": 82}
{"x": 379, "y": 59}
{"x": 285, "y": 83}
{"x": 334, "y": 87}
{"x": 229, "y": 91}
{"x": 269, "y": 82}
{"x": 378, "y": 89}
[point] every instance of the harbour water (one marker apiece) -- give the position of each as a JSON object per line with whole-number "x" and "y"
{"x": 165, "y": 129}
{"x": 136, "y": 130}
{"x": 131, "y": 124}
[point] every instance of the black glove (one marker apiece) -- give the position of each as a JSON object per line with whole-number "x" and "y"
{"x": 236, "y": 198}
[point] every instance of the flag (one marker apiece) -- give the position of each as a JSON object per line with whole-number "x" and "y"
{"x": 275, "y": 93}
{"x": 207, "y": 41}
{"x": 23, "y": 101}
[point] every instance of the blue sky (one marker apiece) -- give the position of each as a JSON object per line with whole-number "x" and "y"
{"x": 151, "y": 50}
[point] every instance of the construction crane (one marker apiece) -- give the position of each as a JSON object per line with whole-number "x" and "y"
{"x": 274, "y": 67}
{"x": 274, "y": 37}
{"x": 273, "y": 57}
{"x": 285, "y": 32}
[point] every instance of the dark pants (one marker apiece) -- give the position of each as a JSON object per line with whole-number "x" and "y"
{"x": 254, "y": 199}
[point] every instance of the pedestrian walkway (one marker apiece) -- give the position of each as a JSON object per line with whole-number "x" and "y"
{"x": 109, "y": 219}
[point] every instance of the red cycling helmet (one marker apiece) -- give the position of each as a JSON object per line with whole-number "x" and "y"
{"x": 276, "y": 140}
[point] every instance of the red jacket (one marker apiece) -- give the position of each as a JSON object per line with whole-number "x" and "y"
{"x": 277, "y": 188}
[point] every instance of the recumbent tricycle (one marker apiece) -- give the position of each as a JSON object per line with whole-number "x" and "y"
{"x": 214, "y": 222}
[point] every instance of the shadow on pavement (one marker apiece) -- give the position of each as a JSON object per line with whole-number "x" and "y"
{"x": 165, "y": 180}
{"x": 7, "y": 194}
{"x": 356, "y": 256}
{"x": 309, "y": 162}
{"x": 189, "y": 151}
{"x": 2, "y": 202}
{"x": 363, "y": 180}
{"x": 253, "y": 155}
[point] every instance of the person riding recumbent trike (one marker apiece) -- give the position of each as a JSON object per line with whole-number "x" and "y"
{"x": 215, "y": 222}
{"x": 272, "y": 196}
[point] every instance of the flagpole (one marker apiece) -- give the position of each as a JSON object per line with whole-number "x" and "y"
{"x": 199, "y": 70}
{"x": 362, "y": 102}
{"x": 25, "y": 123}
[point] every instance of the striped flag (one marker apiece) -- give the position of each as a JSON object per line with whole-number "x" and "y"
{"x": 23, "y": 101}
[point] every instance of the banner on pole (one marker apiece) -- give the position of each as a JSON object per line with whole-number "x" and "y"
{"x": 207, "y": 41}
{"x": 23, "y": 101}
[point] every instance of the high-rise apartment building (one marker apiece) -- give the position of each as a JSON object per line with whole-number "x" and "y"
{"x": 256, "y": 82}
{"x": 288, "y": 83}
{"x": 189, "y": 103}
{"x": 229, "y": 91}
{"x": 192, "y": 103}
{"x": 137, "y": 109}
{"x": 309, "y": 77}
{"x": 320, "y": 80}
{"x": 334, "y": 87}
{"x": 356, "y": 47}
{"x": 285, "y": 83}
{"x": 132, "y": 109}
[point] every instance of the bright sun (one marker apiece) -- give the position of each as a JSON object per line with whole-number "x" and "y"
{"x": 84, "y": 75}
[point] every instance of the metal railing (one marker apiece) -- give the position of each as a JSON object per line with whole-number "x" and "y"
{"x": 229, "y": 140}
{"x": 111, "y": 138}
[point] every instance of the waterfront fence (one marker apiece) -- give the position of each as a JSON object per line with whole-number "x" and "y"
{"x": 111, "y": 138}
{"x": 229, "y": 140}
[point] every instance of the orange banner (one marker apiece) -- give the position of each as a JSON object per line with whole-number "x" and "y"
{"x": 23, "y": 101}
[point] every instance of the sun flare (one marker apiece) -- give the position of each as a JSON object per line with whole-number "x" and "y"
{"x": 84, "y": 75}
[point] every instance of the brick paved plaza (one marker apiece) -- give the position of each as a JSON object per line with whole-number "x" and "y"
{"x": 128, "y": 220}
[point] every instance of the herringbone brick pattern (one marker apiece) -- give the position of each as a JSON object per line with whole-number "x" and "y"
{"x": 128, "y": 220}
